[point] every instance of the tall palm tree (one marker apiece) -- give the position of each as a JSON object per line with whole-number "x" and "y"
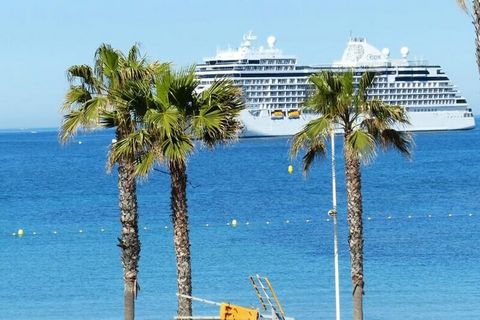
{"x": 96, "y": 98}
{"x": 178, "y": 116}
{"x": 476, "y": 23}
{"x": 343, "y": 103}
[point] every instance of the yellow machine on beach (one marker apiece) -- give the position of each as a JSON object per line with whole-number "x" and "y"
{"x": 233, "y": 312}
{"x": 267, "y": 296}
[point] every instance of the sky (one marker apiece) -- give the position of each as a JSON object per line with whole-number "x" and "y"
{"x": 41, "y": 39}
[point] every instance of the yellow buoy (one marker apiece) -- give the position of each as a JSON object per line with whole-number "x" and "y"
{"x": 234, "y": 223}
{"x": 290, "y": 169}
{"x": 20, "y": 232}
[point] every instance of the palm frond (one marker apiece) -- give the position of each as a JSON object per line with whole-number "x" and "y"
{"x": 216, "y": 120}
{"x": 209, "y": 118}
{"x": 346, "y": 80}
{"x": 398, "y": 140}
{"x": 163, "y": 83}
{"x": 72, "y": 121}
{"x": 146, "y": 161}
{"x": 364, "y": 83}
{"x": 314, "y": 147}
{"x": 182, "y": 91}
{"x": 87, "y": 116}
{"x": 319, "y": 127}
{"x": 165, "y": 121}
{"x": 133, "y": 54}
{"x": 109, "y": 118}
{"x": 83, "y": 74}
{"x": 389, "y": 113}
{"x": 377, "y": 116}
{"x": 361, "y": 144}
{"x": 75, "y": 97}
{"x": 333, "y": 95}
{"x": 107, "y": 63}
{"x": 324, "y": 97}
{"x": 311, "y": 139}
{"x": 315, "y": 150}
{"x": 176, "y": 148}
{"x": 133, "y": 146}
{"x": 463, "y": 5}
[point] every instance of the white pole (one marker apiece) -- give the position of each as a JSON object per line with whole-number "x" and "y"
{"x": 333, "y": 213}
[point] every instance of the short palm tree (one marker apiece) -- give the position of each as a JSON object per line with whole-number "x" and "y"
{"x": 343, "y": 104}
{"x": 96, "y": 99}
{"x": 180, "y": 115}
{"x": 476, "y": 23}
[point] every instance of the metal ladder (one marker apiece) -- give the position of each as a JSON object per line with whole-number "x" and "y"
{"x": 265, "y": 293}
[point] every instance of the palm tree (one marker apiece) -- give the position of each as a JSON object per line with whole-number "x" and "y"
{"x": 342, "y": 103}
{"x": 179, "y": 115}
{"x": 96, "y": 98}
{"x": 476, "y": 23}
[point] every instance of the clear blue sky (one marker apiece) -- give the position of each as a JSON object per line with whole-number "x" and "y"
{"x": 41, "y": 39}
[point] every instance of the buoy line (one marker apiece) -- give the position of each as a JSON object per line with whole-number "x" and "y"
{"x": 234, "y": 223}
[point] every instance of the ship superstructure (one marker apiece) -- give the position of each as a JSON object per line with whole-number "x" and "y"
{"x": 274, "y": 86}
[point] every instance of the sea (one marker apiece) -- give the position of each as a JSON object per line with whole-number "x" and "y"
{"x": 421, "y": 230}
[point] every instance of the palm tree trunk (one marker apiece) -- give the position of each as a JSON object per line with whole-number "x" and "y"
{"x": 129, "y": 241}
{"x": 355, "y": 240}
{"x": 178, "y": 173}
{"x": 476, "y": 23}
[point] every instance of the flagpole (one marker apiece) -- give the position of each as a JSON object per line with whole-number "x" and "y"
{"x": 333, "y": 214}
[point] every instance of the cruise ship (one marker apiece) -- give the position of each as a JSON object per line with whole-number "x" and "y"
{"x": 274, "y": 86}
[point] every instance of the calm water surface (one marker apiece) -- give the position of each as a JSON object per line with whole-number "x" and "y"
{"x": 422, "y": 219}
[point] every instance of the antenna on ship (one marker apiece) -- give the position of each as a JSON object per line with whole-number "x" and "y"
{"x": 271, "y": 40}
{"x": 247, "y": 39}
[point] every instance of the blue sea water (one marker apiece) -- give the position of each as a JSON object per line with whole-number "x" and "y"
{"x": 422, "y": 219}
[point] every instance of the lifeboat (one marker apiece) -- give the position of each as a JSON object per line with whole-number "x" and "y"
{"x": 294, "y": 114}
{"x": 277, "y": 114}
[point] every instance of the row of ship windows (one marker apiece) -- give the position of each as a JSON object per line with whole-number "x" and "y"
{"x": 422, "y": 90}
{"x": 261, "y": 81}
{"x": 271, "y": 81}
{"x": 400, "y": 94}
{"x": 276, "y": 105}
{"x": 274, "y": 94}
{"x": 419, "y": 102}
{"x": 275, "y": 61}
{"x": 382, "y": 84}
{"x": 375, "y": 85}
{"x": 258, "y": 100}
{"x": 411, "y": 96}
{"x": 389, "y": 101}
{"x": 422, "y": 109}
{"x": 247, "y": 68}
{"x": 277, "y": 68}
{"x": 275, "y": 87}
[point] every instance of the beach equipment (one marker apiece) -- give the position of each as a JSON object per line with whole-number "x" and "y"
{"x": 266, "y": 294}
{"x": 270, "y": 304}
{"x": 227, "y": 311}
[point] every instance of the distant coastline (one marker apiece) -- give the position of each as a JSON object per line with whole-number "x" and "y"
{"x": 28, "y": 130}
{"x": 53, "y": 129}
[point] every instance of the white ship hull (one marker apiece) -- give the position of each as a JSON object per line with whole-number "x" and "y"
{"x": 262, "y": 125}
{"x": 275, "y": 88}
